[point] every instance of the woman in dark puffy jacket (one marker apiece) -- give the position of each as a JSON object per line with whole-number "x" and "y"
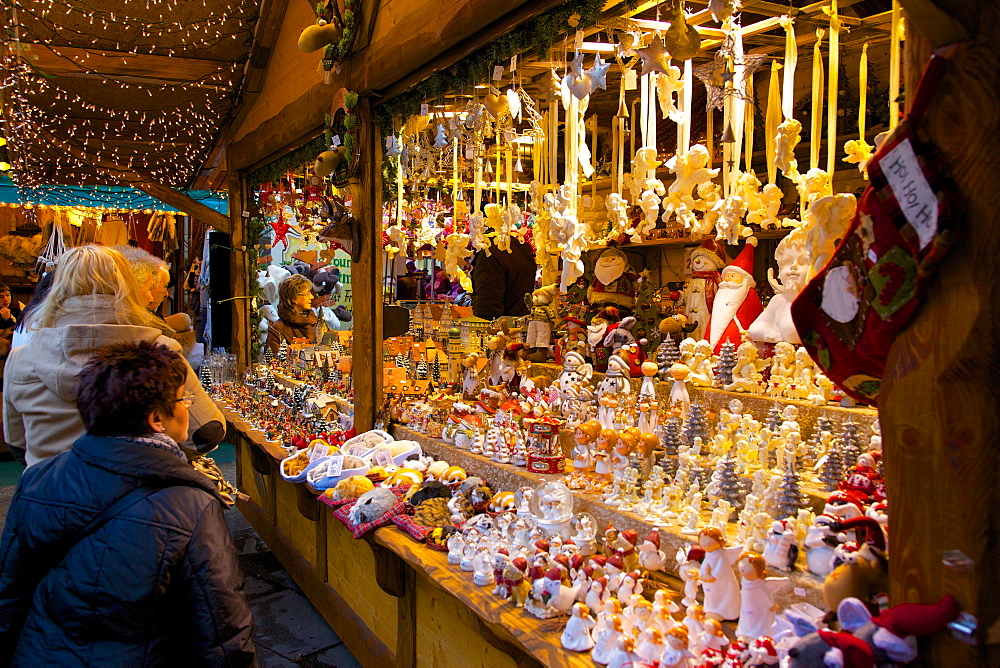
{"x": 117, "y": 552}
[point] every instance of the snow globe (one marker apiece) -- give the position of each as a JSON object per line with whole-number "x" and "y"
{"x": 584, "y": 531}
{"x": 552, "y": 507}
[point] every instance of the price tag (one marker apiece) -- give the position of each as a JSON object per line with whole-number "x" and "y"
{"x": 513, "y": 62}
{"x": 334, "y": 466}
{"x": 383, "y": 456}
{"x": 470, "y": 153}
{"x": 494, "y": 90}
{"x": 425, "y": 109}
{"x": 498, "y": 72}
{"x": 631, "y": 80}
{"x": 452, "y": 123}
{"x": 799, "y": 591}
{"x": 246, "y": 214}
{"x": 509, "y": 136}
{"x": 335, "y": 141}
{"x": 358, "y": 449}
{"x": 319, "y": 451}
{"x": 578, "y": 40}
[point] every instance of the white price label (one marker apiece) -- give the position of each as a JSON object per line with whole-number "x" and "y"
{"x": 383, "y": 456}
{"x": 631, "y": 80}
{"x": 358, "y": 449}
{"x": 425, "y": 109}
{"x": 319, "y": 451}
{"x": 799, "y": 591}
{"x": 335, "y": 141}
{"x": 498, "y": 73}
{"x": 335, "y": 466}
{"x": 578, "y": 40}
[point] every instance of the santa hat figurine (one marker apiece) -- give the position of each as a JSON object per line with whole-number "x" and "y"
{"x": 736, "y": 302}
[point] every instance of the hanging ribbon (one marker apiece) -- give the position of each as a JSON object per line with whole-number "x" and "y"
{"x": 791, "y": 61}
{"x": 894, "y": 64}
{"x": 739, "y": 106}
{"x": 509, "y": 155}
{"x": 833, "y": 90}
{"x": 749, "y": 116}
{"x": 709, "y": 136}
{"x": 816, "y": 125}
{"x": 863, "y": 93}
{"x": 775, "y": 108}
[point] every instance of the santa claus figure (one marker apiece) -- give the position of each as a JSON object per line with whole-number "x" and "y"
{"x": 601, "y": 327}
{"x": 707, "y": 261}
{"x": 736, "y": 302}
{"x": 614, "y": 282}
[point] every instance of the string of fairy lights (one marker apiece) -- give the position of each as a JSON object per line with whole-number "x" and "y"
{"x": 165, "y": 139}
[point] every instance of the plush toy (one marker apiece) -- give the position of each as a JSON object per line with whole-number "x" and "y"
{"x": 352, "y": 488}
{"x": 538, "y": 335}
{"x": 868, "y": 642}
{"x": 433, "y": 512}
{"x": 372, "y": 505}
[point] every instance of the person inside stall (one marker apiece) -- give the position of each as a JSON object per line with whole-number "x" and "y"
{"x": 94, "y": 301}
{"x": 9, "y": 314}
{"x": 117, "y": 552}
{"x": 296, "y": 319}
{"x": 442, "y": 284}
{"x": 153, "y": 276}
{"x": 408, "y": 286}
{"x": 500, "y": 280}
{"x": 21, "y": 333}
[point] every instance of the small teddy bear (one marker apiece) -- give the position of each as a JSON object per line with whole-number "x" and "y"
{"x": 538, "y": 335}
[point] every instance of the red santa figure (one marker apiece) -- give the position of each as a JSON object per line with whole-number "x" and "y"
{"x": 707, "y": 261}
{"x": 736, "y": 302}
{"x": 614, "y": 282}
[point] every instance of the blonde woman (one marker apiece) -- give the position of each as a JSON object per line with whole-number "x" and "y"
{"x": 153, "y": 275}
{"x": 296, "y": 319}
{"x": 95, "y": 301}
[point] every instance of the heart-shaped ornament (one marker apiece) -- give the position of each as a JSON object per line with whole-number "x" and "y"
{"x": 580, "y": 86}
{"x": 513, "y": 104}
{"x": 496, "y": 104}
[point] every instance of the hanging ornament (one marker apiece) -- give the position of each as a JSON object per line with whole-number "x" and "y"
{"x": 598, "y": 73}
{"x": 655, "y": 57}
{"x": 681, "y": 39}
{"x": 513, "y": 104}
{"x": 392, "y": 147}
{"x": 716, "y": 73}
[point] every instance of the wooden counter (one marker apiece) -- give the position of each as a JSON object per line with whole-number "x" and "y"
{"x": 392, "y": 600}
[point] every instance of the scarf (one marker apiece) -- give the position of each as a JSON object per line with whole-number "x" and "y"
{"x": 160, "y": 442}
{"x": 204, "y": 465}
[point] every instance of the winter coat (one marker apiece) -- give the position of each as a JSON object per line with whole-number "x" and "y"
{"x": 500, "y": 281}
{"x": 40, "y": 418}
{"x": 157, "y": 584}
{"x": 291, "y": 325}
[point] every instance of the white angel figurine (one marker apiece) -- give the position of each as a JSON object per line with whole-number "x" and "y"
{"x": 691, "y": 170}
{"x": 826, "y": 222}
{"x": 709, "y": 196}
{"x": 757, "y": 606}
{"x": 576, "y": 636}
{"x": 495, "y": 221}
{"x": 722, "y": 591}
{"x": 397, "y": 240}
{"x": 784, "y": 148}
{"x": 748, "y": 187}
{"x": 667, "y": 85}
{"x": 456, "y": 253}
{"x": 650, "y": 205}
{"x": 730, "y": 225}
{"x": 813, "y": 185}
{"x": 617, "y": 208}
{"x": 477, "y": 233}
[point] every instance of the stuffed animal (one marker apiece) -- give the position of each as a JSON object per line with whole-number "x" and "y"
{"x": 431, "y": 489}
{"x": 538, "y": 335}
{"x": 372, "y": 505}
{"x": 352, "y": 488}
{"x": 868, "y": 642}
{"x": 433, "y": 512}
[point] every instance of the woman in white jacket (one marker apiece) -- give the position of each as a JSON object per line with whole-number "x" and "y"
{"x": 94, "y": 301}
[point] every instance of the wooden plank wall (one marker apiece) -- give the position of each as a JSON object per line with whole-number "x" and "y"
{"x": 940, "y": 406}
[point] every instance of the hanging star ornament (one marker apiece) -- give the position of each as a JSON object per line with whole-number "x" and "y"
{"x": 720, "y": 78}
{"x": 655, "y": 57}
{"x": 599, "y": 73}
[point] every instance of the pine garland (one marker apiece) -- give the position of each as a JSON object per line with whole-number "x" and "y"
{"x": 277, "y": 169}
{"x": 536, "y": 35}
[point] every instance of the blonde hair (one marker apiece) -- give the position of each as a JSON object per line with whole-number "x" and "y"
{"x": 93, "y": 270}
{"x": 757, "y": 561}
{"x": 145, "y": 266}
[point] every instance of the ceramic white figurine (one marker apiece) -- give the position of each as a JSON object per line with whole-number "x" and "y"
{"x": 576, "y": 636}
{"x": 630, "y": 585}
{"x": 775, "y": 322}
{"x": 617, "y": 208}
{"x": 824, "y": 224}
{"x": 689, "y": 517}
{"x": 785, "y": 141}
{"x": 694, "y": 622}
{"x": 624, "y": 655}
{"x": 676, "y": 654}
{"x": 678, "y": 391}
{"x": 713, "y": 637}
{"x": 612, "y": 606}
{"x": 702, "y": 374}
{"x": 721, "y": 590}
{"x": 650, "y": 646}
{"x": 692, "y": 170}
{"x": 607, "y": 640}
{"x": 757, "y": 597}
{"x": 651, "y": 557}
{"x": 782, "y": 548}
{"x": 597, "y": 594}
{"x": 819, "y": 553}
{"x": 746, "y": 373}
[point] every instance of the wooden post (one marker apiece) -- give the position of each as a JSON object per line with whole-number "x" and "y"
{"x": 366, "y": 273}
{"x": 940, "y": 401}
{"x": 239, "y": 271}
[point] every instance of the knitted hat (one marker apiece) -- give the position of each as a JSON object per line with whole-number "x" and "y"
{"x": 713, "y": 250}
{"x": 846, "y": 651}
{"x": 744, "y": 261}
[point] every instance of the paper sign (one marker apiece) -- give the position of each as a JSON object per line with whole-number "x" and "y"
{"x": 383, "y": 456}
{"x": 358, "y": 449}
{"x": 578, "y": 40}
{"x": 319, "y": 451}
{"x": 799, "y": 591}
{"x": 914, "y": 194}
{"x": 498, "y": 72}
{"x": 631, "y": 80}
{"x": 425, "y": 109}
{"x": 335, "y": 141}
{"x": 334, "y": 466}
{"x": 513, "y": 62}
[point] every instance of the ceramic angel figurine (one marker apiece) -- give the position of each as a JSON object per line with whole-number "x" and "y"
{"x": 709, "y": 195}
{"x": 576, "y": 636}
{"x": 667, "y": 85}
{"x": 617, "y": 208}
{"x": 678, "y": 391}
{"x": 775, "y": 321}
{"x": 650, "y": 205}
{"x": 813, "y": 185}
{"x": 784, "y": 146}
{"x": 583, "y": 438}
{"x": 859, "y": 152}
{"x": 824, "y": 224}
{"x": 676, "y": 654}
{"x": 730, "y": 224}
{"x": 691, "y": 170}
{"x": 722, "y": 591}
{"x": 624, "y": 655}
{"x": 757, "y": 606}
{"x": 607, "y": 640}
{"x": 702, "y": 374}
{"x": 650, "y": 646}
{"x": 747, "y": 375}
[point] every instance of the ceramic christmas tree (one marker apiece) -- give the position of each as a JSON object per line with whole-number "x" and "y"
{"x": 436, "y": 372}
{"x": 670, "y": 440}
{"x": 728, "y": 485}
{"x": 696, "y": 425}
{"x": 268, "y": 357}
{"x": 421, "y": 370}
{"x": 283, "y": 351}
{"x": 849, "y": 445}
{"x": 725, "y": 364}
{"x": 831, "y": 473}
{"x": 205, "y": 376}
{"x": 774, "y": 419}
{"x": 789, "y": 499}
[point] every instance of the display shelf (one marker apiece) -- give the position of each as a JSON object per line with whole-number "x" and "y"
{"x": 540, "y": 637}
{"x": 509, "y": 477}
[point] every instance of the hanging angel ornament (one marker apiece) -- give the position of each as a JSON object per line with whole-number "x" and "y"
{"x": 397, "y": 240}
{"x": 814, "y": 184}
{"x": 496, "y": 224}
{"x": 785, "y": 141}
{"x": 457, "y": 252}
{"x": 477, "y": 233}
{"x": 691, "y": 169}
{"x": 748, "y": 187}
{"x": 617, "y": 214}
{"x": 859, "y": 152}
{"x": 707, "y": 204}
{"x": 650, "y": 205}
{"x": 667, "y": 86}
{"x": 512, "y": 218}
{"x": 730, "y": 224}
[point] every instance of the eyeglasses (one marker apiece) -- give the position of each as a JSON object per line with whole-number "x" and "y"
{"x": 187, "y": 399}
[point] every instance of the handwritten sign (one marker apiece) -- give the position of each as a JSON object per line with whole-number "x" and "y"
{"x": 914, "y": 194}
{"x": 383, "y": 456}
{"x": 334, "y": 466}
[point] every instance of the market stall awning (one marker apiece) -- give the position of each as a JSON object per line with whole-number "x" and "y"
{"x": 111, "y": 197}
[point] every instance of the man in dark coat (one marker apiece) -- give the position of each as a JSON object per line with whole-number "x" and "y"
{"x": 116, "y": 553}
{"x": 500, "y": 280}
